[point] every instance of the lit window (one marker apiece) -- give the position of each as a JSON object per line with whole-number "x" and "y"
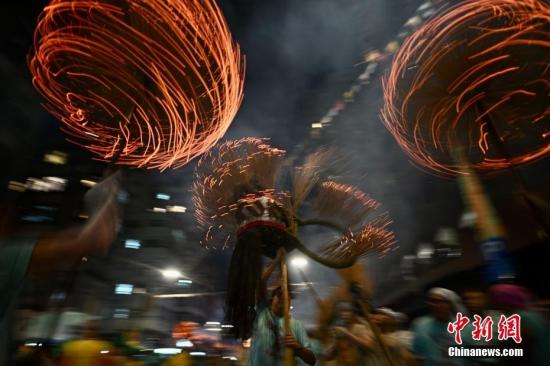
{"x": 184, "y": 343}
{"x": 184, "y": 283}
{"x": 124, "y": 289}
{"x": 163, "y": 196}
{"x": 177, "y": 209}
{"x": 56, "y": 157}
{"x": 36, "y": 218}
{"x": 132, "y": 244}
{"x": 121, "y": 313}
{"x": 167, "y": 351}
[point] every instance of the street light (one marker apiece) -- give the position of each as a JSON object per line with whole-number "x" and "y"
{"x": 299, "y": 262}
{"x": 171, "y": 273}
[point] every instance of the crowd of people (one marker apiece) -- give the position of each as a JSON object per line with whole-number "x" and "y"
{"x": 387, "y": 337}
{"x": 382, "y": 337}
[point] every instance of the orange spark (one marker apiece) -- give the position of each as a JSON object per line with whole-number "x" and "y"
{"x": 150, "y": 83}
{"x": 478, "y": 64}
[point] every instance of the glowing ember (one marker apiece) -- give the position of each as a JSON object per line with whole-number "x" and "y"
{"x": 147, "y": 83}
{"x": 475, "y": 72}
{"x": 344, "y": 203}
{"x": 231, "y": 176}
{"x": 240, "y": 181}
{"x": 374, "y": 237}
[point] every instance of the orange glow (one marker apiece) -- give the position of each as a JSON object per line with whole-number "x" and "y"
{"x": 145, "y": 83}
{"x": 242, "y": 173}
{"x": 478, "y": 64}
{"x": 249, "y": 165}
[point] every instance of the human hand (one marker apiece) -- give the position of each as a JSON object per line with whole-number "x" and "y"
{"x": 290, "y": 342}
{"x": 339, "y": 332}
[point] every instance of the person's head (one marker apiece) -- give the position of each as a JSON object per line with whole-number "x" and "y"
{"x": 384, "y": 318}
{"x": 509, "y": 297}
{"x": 277, "y": 303}
{"x": 401, "y": 320}
{"x": 475, "y": 300}
{"x": 345, "y": 313}
{"x": 444, "y": 303}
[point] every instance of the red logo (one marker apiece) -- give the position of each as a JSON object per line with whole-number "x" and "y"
{"x": 482, "y": 328}
{"x": 508, "y": 328}
{"x": 457, "y": 326}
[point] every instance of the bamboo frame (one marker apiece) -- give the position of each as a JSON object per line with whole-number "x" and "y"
{"x": 289, "y": 352}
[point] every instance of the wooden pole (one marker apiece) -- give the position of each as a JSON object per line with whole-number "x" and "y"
{"x": 289, "y": 353}
{"x": 366, "y": 311}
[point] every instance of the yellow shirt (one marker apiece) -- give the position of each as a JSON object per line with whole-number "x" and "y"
{"x": 87, "y": 352}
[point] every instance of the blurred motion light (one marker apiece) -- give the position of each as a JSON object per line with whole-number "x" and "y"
{"x": 197, "y": 354}
{"x": 468, "y": 219}
{"x": 171, "y": 273}
{"x": 299, "y": 262}
{"x": 163, "y": 196}
{"x": 46, "y": 184}
{"x": 317, "y": 125}
{"x": 132, "y": 244}
{"x": 425, "y": 251}
{"x": 123, "y": 289}
{"x": 55, "y": 157}
{"x": 232, "y": 358}
{"x": 121, "y": 314}
{"x": 87, "y": 183}
{"x": 36, "y": 218}
{"x": 17, "y": 186}
{"x": 167, "y": 351}
{"x": 122, "y": 196}
{"x": 184, "y": 343}
{"x": 185, "y": 283}
{"x": 158, "y": 209}
{"x": 177, "y": 209}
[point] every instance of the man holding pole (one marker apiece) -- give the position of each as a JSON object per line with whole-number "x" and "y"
{"x": 269, "y": 341}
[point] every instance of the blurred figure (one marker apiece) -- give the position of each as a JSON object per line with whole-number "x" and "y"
{"x": 181, "y": 359}
{"x": 20, "y": 257}
{"x": 387, "y": 320}
{"x": 401, "y": 332}
{"x": 535, "y": 334}
{"x": 357, "y": 344}
{"x": 477, "y": 302}
{"x": 350, "y": 338}
{"x": 431, "y": 338}
{"x": 90, "y": 350}
{"x": 315, "y": 339}
{"x": 268, "y": 338}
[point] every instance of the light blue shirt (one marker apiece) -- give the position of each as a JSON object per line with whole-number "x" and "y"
{"x": 431, "y": 343}
{"x": 268, "y": 331}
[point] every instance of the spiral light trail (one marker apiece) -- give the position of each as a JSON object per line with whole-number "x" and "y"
{"x": 475, "y": 77}
{"x": 145, "y": 83}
